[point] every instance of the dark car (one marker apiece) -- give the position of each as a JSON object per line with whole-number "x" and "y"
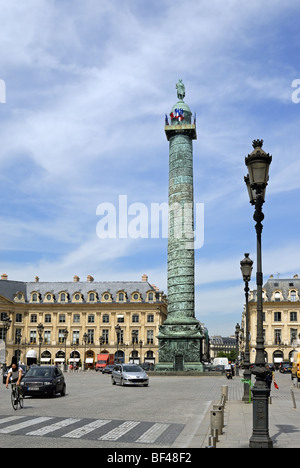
{"x": 108, "y": 369}
{"x": 285, "y": 368}
{"x": 5, "y": 373}
{"x": 43, "y": 380}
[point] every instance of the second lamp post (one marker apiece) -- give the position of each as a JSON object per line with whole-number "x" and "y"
{"x": 258, "y": 163}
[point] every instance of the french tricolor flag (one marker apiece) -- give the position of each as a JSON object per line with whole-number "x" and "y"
{"x": 177, "y": 114}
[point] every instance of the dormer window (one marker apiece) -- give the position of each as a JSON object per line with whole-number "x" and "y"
{"x": 35, "y": 297}
{"x": 121, "y": 296}
{"x": 106, "y": 297}
{"x": 77, "y": 297}
{"x": 277, "y": 296}
{"x": 293, "y": 296}
{"x": 92, "y": 296}
{"x": 136, "y": 296}
{"x": 49, "y": 297}
{"x": 63, "y": 297}
{"x": 19, "y": 297}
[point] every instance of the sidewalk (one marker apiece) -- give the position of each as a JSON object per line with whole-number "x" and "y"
{"x": 284, "y": 419}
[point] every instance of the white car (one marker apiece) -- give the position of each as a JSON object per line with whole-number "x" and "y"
{"x": 129, "y": 374}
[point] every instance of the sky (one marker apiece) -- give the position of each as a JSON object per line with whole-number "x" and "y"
{"x": 84, "y": 89}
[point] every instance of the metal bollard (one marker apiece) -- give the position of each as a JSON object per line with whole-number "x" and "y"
{"x": 219, "y": 408}
{"x": 216, "y": 420}
{"x": 215, "y": 434}
{"x": 212, "y": 442}
{"x": 224, "y": 391}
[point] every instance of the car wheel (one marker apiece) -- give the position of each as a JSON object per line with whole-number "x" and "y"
{"x": 113, "y": 381}
{"x": 145, "y": 385}
{"x": 53, "y": 394}
{"x": 63, "y": 392}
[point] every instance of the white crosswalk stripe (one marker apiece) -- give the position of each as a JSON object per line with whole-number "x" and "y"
{"x": 53, "y": 427}
{"x": 119, "y": 431}
{"x": 150, "y": 436}
{"x": 84, "y": 430}
{"x": 22, "y": 425}
{"x": 142, "y": 432}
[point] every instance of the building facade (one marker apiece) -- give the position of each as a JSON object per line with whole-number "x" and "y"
{"x": 281, "y": 314}
{"x": 72, "y": 322}
{"x": 222, "y": 344}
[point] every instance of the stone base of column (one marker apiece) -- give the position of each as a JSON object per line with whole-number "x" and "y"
{"x": 180, "y": 348}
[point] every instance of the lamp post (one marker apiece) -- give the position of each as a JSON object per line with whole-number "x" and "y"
{"x": 40, "y": 329}
{"x": 6, "y": 325}
{"x": 101, "y": 343}
{"x": 258, "y": 163}
{"x": 66, "y": 334}
{"x": 85, "y": 340}
{"x": 246, "y": 269}
{"x": 237, "y": 335}
{"x": 118, "y": 331}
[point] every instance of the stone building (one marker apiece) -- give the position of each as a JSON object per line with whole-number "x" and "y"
{"x": 281, "y": 313}
{"x": 77, "y": 320}
{"x": 221, "y": 344}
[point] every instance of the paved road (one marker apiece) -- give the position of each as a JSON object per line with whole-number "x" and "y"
{"x": 96, "y": 414}
{"x": 173, "y": 412}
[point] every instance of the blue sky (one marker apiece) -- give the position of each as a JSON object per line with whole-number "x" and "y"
{"x": 87, "y": 87}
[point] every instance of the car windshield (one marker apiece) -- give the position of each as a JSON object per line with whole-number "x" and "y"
{"x": 132, "y": 369}
{"x": 39, "y": 372}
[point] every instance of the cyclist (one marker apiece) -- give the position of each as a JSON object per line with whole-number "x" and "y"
{"x": 14, "y": 375}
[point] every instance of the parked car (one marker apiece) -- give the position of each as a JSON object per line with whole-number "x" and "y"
{"x": 148, "y": 366}
{"x": 129, "y": 374}
{"x": 43, "y": 380}
{"x": 108, "y": 369}
{"x": 5, "y": 373}
{"x": 285, "y": 367}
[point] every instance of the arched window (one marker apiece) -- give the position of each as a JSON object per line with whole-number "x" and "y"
{"x": 293, "y": 296}
{"x": 277, "y": 296}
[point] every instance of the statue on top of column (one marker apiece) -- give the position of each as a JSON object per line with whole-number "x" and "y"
{"x": 180, "y": 90}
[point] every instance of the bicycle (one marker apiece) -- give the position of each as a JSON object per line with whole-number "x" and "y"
{"x": 16, "y": 396}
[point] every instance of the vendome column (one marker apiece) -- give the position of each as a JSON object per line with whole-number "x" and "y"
{"x": 180, "y": 337}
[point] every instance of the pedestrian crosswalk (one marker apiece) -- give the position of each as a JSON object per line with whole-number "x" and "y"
{"x": 140, "y": 432}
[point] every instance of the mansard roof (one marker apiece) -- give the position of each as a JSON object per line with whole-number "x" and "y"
{"x": 279, "y": 284}
{"x": 9, "y": 289}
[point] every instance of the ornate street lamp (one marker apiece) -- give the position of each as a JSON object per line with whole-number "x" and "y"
{"x": 66, "y": 334}
{"x": 85, "y": 340}
{"x": 118, "y": 331}
{"x": 6, "y": 325}
{"x": 258, "y": 163}
{"x": 101, "y": 342}
{"x": 237, "y": 335}
{"x": 40, "y": 329}
{"x": 246, "y": 269}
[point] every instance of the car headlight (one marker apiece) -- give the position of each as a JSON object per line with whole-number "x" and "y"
{"x": 47, "y": 383}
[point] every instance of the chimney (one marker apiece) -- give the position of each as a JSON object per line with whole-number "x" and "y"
{"x": 37, "y": 279}
{"x": 144, "y": 278}
{"x": 4, "y": 277}
{"x": 76, "y": 279}
{"x": 90, "y": 279}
